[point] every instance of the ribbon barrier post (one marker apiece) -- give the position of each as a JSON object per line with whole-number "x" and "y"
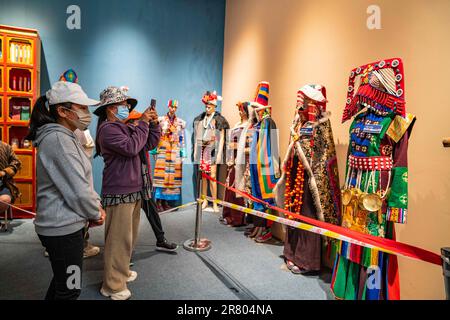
{"x": 445, "y": 253}
{"x": 4, "y": 225}
{"x": 198, "y": 244}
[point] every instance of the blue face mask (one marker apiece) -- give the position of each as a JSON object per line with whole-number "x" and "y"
{"x": 122, "y": 113}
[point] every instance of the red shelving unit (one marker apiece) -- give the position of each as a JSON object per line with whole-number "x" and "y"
{"x": 19, "y": 88}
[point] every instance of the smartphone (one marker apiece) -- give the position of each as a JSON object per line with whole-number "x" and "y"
{"x": 153, "y": 104}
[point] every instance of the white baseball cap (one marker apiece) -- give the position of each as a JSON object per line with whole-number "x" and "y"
{"x": 63, "y": 91}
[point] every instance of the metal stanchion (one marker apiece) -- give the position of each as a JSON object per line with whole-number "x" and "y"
{"x": 198, "y": 244}
{"x": 5, "y": 225}
{"x": 445, "y": 253}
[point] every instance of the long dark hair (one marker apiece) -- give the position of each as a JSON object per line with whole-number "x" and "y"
{"x": 101, "y": 118}
{"x": 42, "y": 115}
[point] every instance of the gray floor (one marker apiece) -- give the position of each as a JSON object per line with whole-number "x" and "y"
{"x": 235, "y": 268}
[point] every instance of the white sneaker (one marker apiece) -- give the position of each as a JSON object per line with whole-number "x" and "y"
{"x": 90, "y": 251}
{"x": 132, "y": 276}
{"x": 122, "y": 295}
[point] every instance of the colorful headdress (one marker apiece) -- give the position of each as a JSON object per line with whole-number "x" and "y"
{"x": 172, "y": 103}
{"x": 69, "y": 76}
{"x": 211, "y": 98}
{"x": 262, "y": 95}
{"x": 243, "y": 106}
{"x": 382, "y": 86}
{"x": 314, "y": 92}
{"x": 67, "y": 89}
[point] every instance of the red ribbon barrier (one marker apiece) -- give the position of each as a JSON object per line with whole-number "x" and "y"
{"x": 391, "y": 245}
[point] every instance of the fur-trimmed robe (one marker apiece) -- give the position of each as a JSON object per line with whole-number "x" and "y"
{"x": 220, "y": 123}
{"x": 321, "y": 197}
{"x": 321, "y": 169}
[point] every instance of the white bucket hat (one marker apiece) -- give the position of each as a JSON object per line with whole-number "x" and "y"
{"x": 63, "y": 91}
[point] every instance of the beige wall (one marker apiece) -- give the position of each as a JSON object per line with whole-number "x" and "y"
{"x": 294, "y": 42}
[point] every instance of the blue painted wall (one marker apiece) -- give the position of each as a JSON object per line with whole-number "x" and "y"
{"x": 162, "y": 49}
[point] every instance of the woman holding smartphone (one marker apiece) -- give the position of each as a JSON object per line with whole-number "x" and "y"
{"x": 119, "y": 145}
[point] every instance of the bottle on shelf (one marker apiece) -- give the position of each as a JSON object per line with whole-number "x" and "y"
{"x": 25, "y": 143}
{"x": 15, "y": 143}
{"x": 11, "y": 52}
{"x": 30, "y": 59}
{"x": 17, "y": 53}
{"x": 14, "y": 84}
{"x": 25, "y": 113}
{"x": 16, "y": 112}
{"x": 20, "y": 84}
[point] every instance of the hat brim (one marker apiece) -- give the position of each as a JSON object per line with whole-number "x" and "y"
{"x": 85, "y": 101}
{"x": 100, "y": 109}
{"x": 258, "y": 105}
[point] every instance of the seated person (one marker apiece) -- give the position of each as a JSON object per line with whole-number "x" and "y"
{"x": 9, "y": 165}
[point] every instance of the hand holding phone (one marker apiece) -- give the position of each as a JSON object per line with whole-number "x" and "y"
{"x": 150, "y": 114}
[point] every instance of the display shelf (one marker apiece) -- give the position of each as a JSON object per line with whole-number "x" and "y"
{"x": 26, "y": 188}
{"x": 1, "y": 78}
{"x": 19, "y": 110}
{"x": 23, "y": 151}
{"x": 20, "y": 51}
{"x": 19, "y": 88}
{"x": 20, "y": 94}
{"x": 19, "y": 80}
{"x": 16, "y": 138}
{"x": 26, "y": 170}
{"x": 2, "y": 55}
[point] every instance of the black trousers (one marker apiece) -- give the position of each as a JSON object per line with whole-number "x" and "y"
{"x": 149, "y": 207}
{"x": 66, "y": 257}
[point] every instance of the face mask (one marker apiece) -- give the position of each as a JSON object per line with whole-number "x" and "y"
{"x": 122, "y": 113}
{"x": 84, "y": 119}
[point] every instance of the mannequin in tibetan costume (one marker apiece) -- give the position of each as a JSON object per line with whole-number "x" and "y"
{"x": 264, "y": 160}
{"x": 375, "y": 193}
{"x": 309, "y": 185}
{"x": 230, "y": 216}
{"x": 169, "y": 158}
{"x": 209, "y": 142}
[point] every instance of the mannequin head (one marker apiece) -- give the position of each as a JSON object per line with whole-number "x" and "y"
{"x": 309, "y": 111}
{"x": 243, "y": 111}
{"x": 210, "y": 109}
{"x": 210, "y": 99}
{"x": 311, "y": 102}
{"x": 173, "y": 107}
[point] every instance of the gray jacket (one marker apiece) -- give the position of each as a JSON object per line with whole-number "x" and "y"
{"x": 65, "y": 196}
